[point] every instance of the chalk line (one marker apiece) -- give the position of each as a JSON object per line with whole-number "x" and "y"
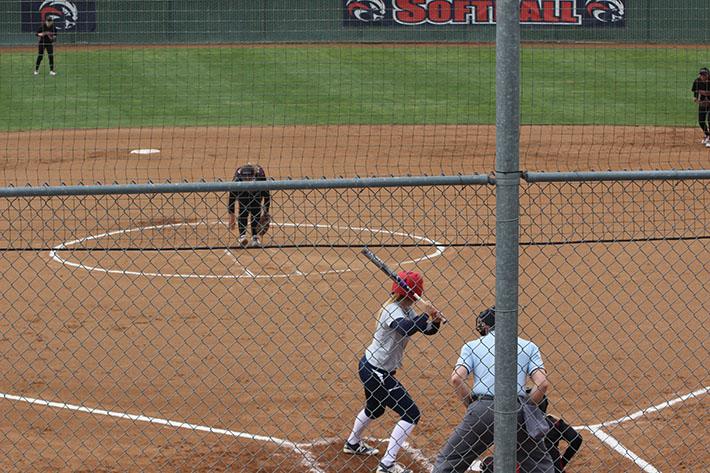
{"x": 307, "y": 459}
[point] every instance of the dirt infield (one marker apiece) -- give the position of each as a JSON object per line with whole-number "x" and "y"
{"x": 168, "y": 372}
{"x": 192, "y": 153}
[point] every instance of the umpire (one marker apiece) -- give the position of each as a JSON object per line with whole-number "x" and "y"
{"x": 253, "y": 205}
{"x": 474, "y": 435}
{"x": 46, "y": 33}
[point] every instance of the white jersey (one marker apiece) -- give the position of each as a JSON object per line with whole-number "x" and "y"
{"x": 387, "y": 348}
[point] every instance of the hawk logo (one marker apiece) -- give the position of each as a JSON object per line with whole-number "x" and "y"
{"x": 366, "y": 10}
{"x": 64, "y": 13}
{"x": 606, "y": 11}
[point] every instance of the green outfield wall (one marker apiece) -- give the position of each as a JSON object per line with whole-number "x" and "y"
{"x": 218, "y": 21}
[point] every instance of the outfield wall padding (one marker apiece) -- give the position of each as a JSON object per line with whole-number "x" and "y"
{"x": 235, "y": 21}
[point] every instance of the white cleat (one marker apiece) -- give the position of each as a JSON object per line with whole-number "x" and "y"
{"x": 52, "y": 73}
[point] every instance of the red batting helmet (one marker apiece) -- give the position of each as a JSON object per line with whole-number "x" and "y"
{"x": 414, "y": 280}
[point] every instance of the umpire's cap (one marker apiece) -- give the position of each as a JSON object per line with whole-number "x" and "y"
{"x": 488, "y": 316}
{"x": 704, "y": 70}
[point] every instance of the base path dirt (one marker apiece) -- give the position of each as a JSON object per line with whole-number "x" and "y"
{"x": 193, "y": 153}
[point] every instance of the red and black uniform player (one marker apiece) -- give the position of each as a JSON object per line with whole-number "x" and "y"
{"x": 46, "y": 33}
{"x": 559, "y": 430}
{"x": 701, "y": 96}
{"x": 252, "y": 204}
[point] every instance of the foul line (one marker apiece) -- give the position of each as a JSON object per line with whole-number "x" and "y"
{"x": 596, "y": 429}
{"x": 623, "y": 451}
{"x": 307, "y": 460}
{"x": 652, "y": 409}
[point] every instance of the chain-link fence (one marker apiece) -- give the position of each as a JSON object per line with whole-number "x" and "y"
{"x": 138, "y": 335}
{"x": 191, "y": 89}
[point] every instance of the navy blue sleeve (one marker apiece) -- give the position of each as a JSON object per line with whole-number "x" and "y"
{"x": 409, "y": 327}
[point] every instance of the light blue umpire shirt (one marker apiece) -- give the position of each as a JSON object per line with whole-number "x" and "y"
{"x": 478, "y": 357}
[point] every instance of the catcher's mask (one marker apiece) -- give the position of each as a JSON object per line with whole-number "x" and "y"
{"x": 414, "y": 280}
{"x": 486, "y": 318}
{"x": 704, "y": 71}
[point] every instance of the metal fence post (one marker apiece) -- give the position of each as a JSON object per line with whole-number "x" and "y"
{"x": 507, "y": 209}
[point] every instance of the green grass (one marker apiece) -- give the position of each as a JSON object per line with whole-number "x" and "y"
{"x": 101, "y": 88}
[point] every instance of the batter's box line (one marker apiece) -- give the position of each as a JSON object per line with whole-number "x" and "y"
{"x": 415, "y": 453}
{"x": 614, "y": 444}
{"x": 303, "y": 449}
{"x": 307, "y": 458}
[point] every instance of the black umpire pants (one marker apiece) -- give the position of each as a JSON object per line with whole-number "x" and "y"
{"x": 49, "y": 47}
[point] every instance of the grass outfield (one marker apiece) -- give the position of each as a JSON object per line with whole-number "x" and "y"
{"x": 381, "y": 84}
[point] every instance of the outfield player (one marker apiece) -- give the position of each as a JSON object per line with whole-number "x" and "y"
{"x": 377, "y": 368}
{"x": 701, "y": 96}
{"x": 46, "y": 33}
{"x": 253, "y": 205}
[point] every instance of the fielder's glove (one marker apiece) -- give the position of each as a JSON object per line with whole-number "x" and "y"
{"x": 264, "y": 223}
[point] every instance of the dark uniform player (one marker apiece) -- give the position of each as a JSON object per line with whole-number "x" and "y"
{"x": 252, "y": 205}
{"x": 701, "y": 96}
{"x": 559, "y": 430}
{"x": 46, "y": 33}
